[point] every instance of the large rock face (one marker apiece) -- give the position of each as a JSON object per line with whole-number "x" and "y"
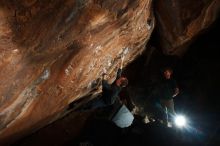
{"x": 53, "y": 52}
{"x": 180, "y": 21}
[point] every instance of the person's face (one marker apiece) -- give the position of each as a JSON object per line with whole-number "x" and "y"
{"x": 123, "y": 85}
{"x": 122, "y": 82}
{"x": 167, "y": 74}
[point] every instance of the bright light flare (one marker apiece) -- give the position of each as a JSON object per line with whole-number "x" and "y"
{"x": 180, "y": 121}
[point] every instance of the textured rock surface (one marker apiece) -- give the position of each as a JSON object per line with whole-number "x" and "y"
{"x": 180, "y": 21}
{"x": 53, "y": 52}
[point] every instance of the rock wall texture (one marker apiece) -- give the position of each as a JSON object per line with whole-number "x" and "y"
{"x": 180, "y": 21}
{"x": 53, "y": 52}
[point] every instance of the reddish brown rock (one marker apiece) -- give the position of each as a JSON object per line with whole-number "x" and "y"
{"x": 53, "y": 52}
{"x": 180, "y": 21}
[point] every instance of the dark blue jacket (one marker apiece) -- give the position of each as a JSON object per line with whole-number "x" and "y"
{"x": 110, "y": 91}
{"x": 167, "y": 89}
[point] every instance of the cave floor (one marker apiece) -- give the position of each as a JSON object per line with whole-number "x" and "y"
{"x": 202, "y": 130}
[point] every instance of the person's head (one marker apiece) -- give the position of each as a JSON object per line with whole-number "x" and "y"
{"x": 122, "y": 82}
{"x": 167, "y": 73}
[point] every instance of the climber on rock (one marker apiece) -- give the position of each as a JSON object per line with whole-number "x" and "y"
{"x": 117, "y": 111}
{"x": 110, "y": 91}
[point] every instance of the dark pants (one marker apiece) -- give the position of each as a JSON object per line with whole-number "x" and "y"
{"x": 168, "y": 107}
